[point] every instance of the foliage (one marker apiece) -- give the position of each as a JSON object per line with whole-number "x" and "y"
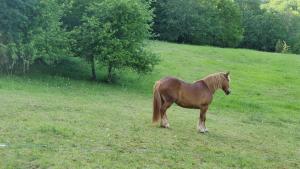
{"x": 50, "y": 40}
{"x": 264, "y": 30}
{"x": 290, "y": 9}
{"x": 285, "y": 6}
{"x": 3, "y": 57}
{"x": 113, "y": 33}
{"x": 17, "y": 19}
{"x": 230, "y": 29}
{"x": 252, "y": 24}
{"x": 199, "y": 22}
{"x": 31, "y": 29}
{"x": 73, "y": 12}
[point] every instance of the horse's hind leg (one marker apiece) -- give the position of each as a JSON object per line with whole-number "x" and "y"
{"x": 164, "y": 119}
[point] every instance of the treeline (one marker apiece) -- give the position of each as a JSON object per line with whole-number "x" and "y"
{"x": 269, "y": 25}
{"x": 110, "y": 33}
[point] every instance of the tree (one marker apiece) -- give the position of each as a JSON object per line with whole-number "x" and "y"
{"x": 267, "y": 22}
{"x": 177, "y": 21}
{"x": 17, "y": 18}
{"x": 290, "y": 10}
{"x": 210, "y": 22}
{"x": 294, "y": 35}
{"x": 29, "y": 30}
{"x": 88, "y": 38}
{"x": 283, "y": 6}
{"x": 113, "y": 34}
{"x": 230, "y": 32}
{"x": 265, "y": 30}
{"x": 73, "y": 12}
{"x": 49, "y": 39}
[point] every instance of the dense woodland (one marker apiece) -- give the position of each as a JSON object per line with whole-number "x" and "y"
{"x": 272, "y": 25}
{"x": 112, "y": 33}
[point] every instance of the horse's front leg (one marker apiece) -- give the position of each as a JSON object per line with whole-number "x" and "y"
{"x": 201, "y": 126}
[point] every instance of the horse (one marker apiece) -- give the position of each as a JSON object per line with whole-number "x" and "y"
{"x": 198, "y": 95}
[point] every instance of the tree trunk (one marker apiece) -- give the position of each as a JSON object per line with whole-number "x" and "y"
{"x": 24, "y": 67}
{"x": 109, "y": 75}
{"x": 93, "y": 68}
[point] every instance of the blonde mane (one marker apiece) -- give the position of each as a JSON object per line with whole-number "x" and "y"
{"x": 214, "y": 81}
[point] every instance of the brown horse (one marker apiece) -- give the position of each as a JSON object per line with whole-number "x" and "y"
{"x": 197, "y": 95}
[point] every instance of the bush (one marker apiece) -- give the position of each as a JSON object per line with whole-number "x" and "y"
{"x": 281, "y": 47}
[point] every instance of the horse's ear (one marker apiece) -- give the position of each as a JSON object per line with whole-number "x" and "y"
{"x": 227, "y": 74}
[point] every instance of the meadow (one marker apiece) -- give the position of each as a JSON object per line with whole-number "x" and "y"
{"x": 62, "y": 120}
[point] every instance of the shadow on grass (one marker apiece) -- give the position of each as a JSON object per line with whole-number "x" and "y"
{"x": 73, "y": 68}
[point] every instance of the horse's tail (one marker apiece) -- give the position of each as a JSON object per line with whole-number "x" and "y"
{"x": 156, "y": 102}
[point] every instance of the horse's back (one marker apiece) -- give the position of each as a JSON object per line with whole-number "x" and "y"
{"x": 170, "y": 83}
{"x": 169, "y": 87}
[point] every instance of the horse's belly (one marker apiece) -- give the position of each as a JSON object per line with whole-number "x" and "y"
{"x": 188, "y": 103}
{"x": 190, "y": 106}
{"x": 192, "y": 100}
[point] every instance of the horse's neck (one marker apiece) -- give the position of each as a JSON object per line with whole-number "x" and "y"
{"x": 212, "y": 84}
{"x": 212, "y": 88}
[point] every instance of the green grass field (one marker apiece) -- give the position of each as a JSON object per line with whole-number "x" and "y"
{"x": 63, "y": 120}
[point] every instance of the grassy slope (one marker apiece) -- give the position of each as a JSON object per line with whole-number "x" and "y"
{"x": 51, "y": 121}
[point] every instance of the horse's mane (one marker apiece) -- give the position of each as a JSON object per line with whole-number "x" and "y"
{"x": 214, "y": 81}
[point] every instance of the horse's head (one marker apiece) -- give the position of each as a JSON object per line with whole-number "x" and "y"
{"x": 225, "y": 83}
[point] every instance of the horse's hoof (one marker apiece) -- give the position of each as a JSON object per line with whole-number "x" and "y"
{"x": 165, "y": 126}
{"x": 201, "y": 130}
{"x": 206, "y": 129}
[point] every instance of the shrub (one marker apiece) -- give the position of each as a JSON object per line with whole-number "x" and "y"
{"x": 281, "y": 47}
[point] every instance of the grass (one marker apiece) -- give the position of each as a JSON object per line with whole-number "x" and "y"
{"x": 62, "y": 120}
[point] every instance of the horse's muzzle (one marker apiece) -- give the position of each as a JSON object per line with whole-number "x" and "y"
{"x": 227, "y": 92}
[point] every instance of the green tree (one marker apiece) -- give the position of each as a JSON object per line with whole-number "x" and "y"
{"x": 17, "y": 18}
{"x": 290, "y": 9}
{"x": 113, "y": 34}
{"x": 73, "y": 12}
{"x": 177, "y": 21}
{"x": 283, "y": 6}
{"x": 262, "y": 28}
{"x": 294, "y": 35}
{"x": 29, "y": 30}
{"x": 49, "y": 39}
{"x": 212, "y": 22}
{"x": 267, "y": 22}
{"x": 230, "y": 31}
